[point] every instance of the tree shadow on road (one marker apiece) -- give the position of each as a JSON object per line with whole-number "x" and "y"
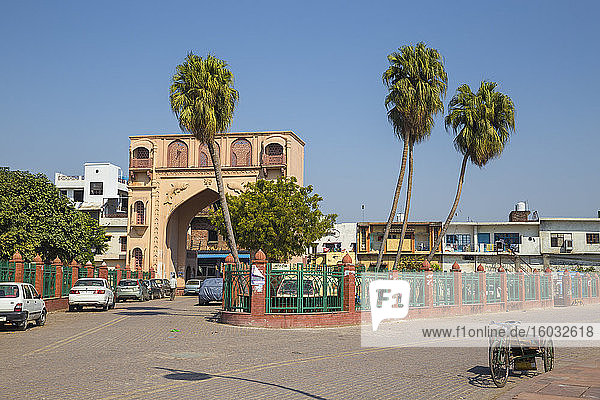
{"x": 182, "y": 375}
{"x": 483, "y": 378}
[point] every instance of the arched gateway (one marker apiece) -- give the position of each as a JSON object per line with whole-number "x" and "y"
{"x": 171, "y": 181}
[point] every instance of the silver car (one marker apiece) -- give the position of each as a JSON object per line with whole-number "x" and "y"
{"x": 191, "y": 287}
{"x": 132, "y": 289}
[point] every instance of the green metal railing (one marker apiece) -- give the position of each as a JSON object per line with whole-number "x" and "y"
{"x": 112, "y": 278}
{"x": 134, "y": 274}
{"x": 545, "y": 287}
{"x": 513, "y": 287}
{"x": 304, "y": 290}
{"x": 417, "y": 287}
{"x": 585, "y": 286}
{"x": 29, "y": 273}
{"x": 443, "y": 288}
{"x": 236, "y": 287}
{"x": 493, "y": 287}
{"x": 82, "y": 272}
{"x": 575, "y": 280}
{"x": 594, "y": 286}
{"x": 67, "y": 280}
{"x": 49, "y": 288}
{"x": 7, "y": 271}
{"x": 470, "y": 288}
{"x": 146, "y": 275}
{"x": 529, "y": 286}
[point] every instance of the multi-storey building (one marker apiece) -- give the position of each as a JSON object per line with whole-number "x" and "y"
{"x": 172, "y": 180}
{"x": 101, "y": 192}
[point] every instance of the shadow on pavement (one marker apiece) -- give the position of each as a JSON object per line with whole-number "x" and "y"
{"x": 182, "y": 375}
{"x": 483, "y": 376}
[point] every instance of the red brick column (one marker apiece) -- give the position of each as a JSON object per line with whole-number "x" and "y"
{"x": 257, "y": 298}
{"x": 103, "y": 271}
{"x": 57, "y": 264}
{"x": 90, "y": 269}
{"x": 152, "y": 273}
{"x": 521, "y": 287}
{"x": 119, "y": 273}
{"x": 127, "y": 273}
{"x": 503, "y": 286}
{"x": 19, "y": 268}
{"x": 538, "y": 292}
{"x": 74, "y": 272}
{"x": 567, "y": 295}
{"x": 39, "y": 274}
{"x": 458, "y": 300}
{"x": 482, "y": 288}
{"x": 350, "y": 284}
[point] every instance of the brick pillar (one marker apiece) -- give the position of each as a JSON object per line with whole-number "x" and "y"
{"x": 152, "y": 273}
{"x": 350, "y": 284}
{"x": 521, "y": 286}
{"x": 538, "y": 292}
{"x": 482, "y": 288}
{"x": 257, "y": 295}
{"x": 503, "y": 286}
{"x": 428, "y": 287}
{"x": 57, "y": 264}
{"x": 119, "y": 274}
{"x": 458, "y": 286}
{"x": 74, "y": 272}
{"x": 103, "y": 271}
{"x": 127, "y": 273}
{"x": 19, "y": 268}
{"x": 567, "y": 295}
{"x": 39, "y": 274}
{"x": 90, "y": 269}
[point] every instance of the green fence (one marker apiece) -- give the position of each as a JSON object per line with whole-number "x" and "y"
{"x": 67, "y": 280}
{"x": 575, "y": 288}
{"x": 513, "y": 287}
{"x": 493, "y": 288}
{"x": 417, "y": 287}
{"x": 82, "y": 272}
{"x": 294, "y": 290}
{"x": 49, "y": 288}
{"x": 443, "y": 288}
{"x": 545, "y": 287}
{"x": 236, "y": 287}
{"x": 585, "y": 286}
{"x": 594, "y": 286}
{"x": 29, "y": 273}
{"x": 529, "y": 286}
{"x": 112, "y": 278}
{"x": 7, "y": 271}
{"x": 146, "y": 275}
{"x": 134, "y": 274}
{"x": 470, "y": 288}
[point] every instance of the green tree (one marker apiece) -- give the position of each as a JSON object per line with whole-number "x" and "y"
{"x": 203, "y": 99}
{"x": 417, "y": 83}
{"x": 482, "y": 123}
{"x": 36, "y": 219}
{"x": 279, "y": 217}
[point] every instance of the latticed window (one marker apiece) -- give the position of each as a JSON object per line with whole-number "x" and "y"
{"x": 141, "y": 153}
{"x": 138, "y": 257}
{"x": 177, "y": 154}
{"x": 274, "y": 149}
{"x": 204, "y": 159}
{"x": 140, "y": 214}
{"x": 241, "y": 153}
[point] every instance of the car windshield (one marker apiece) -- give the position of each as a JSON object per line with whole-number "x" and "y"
{"x": 128, "y": 283}
{"x": 193, "y": 282}
{"x": 9, "y": 291}
{"x": 89, "y": 282}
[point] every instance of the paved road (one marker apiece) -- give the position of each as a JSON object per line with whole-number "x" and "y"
{"x": 131, "y": 352}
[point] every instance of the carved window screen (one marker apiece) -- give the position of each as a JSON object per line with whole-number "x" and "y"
{"x": 141, "y": 153}
{"x": 177, "y": 155}
{"x": 241, "y": 153}
{"x": 138, "y": 257}
{"x": 139, "y": 213}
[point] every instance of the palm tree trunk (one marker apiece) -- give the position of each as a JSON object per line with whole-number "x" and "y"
{"x": 452, "y": 211}
{"x": 386, "y": 233}
{"x": 406, "y": 206}
{"x": 217, "y": 166}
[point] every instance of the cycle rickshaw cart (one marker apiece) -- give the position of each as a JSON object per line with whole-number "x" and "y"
{"x": 506, "y": 352}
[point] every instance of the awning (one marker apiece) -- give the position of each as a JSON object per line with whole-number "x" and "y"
{"x": 221, "y": 255}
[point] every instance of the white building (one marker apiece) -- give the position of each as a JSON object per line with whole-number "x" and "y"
{"x": 102, "y": 193}
{"x": 332, "y": 248}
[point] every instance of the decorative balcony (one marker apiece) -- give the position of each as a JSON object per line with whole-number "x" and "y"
{"x": 141, "y": 163}
{"x": 274, "y": 160}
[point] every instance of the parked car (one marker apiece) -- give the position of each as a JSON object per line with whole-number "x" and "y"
{"x": 132, "y": 289}
{"x": 153, "y": 289}
{"x": 211, "y": 290}
{"x": 95, "y": 292}
{"x": 191, "y": 287}
{"x": 20, "y": 304}
{"x": 165, "y": 289}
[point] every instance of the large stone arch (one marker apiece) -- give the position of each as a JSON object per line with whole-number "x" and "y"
{"x": 178, "y": 221}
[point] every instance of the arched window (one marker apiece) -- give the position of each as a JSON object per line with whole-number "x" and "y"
{"x": 177, "y": 154}
{"x": 140, "y": 213}
{"x": 204, "y": 159}
{"x": 141, "y": 153}
{"x": 241, "y": 153}
{"x": 274, "y": 149}
{"x": 138, "y": 257}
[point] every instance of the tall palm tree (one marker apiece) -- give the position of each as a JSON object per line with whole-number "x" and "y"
{"x": 203, "y": 99}
{"x": 482, "y": 123}
{"x": 416, "y": 82}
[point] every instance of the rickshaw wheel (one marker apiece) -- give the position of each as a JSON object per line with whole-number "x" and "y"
{"x": 548, "y": 355}
{"x": 499, "y": 359}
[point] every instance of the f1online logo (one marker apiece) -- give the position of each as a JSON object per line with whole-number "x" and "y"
{"x": 389, "y": 300}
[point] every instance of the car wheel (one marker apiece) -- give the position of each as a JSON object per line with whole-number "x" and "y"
{"x": 22, "y": 326}
{"x": 71, "y": 308}
{"x": 42, "y": 319}
{"x": 105, "y": 307}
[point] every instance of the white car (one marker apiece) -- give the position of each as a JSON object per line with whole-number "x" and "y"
{"x": 20, "y": 304}
{"x": 93, "y": 292}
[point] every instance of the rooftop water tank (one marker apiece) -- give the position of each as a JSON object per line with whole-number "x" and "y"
{"x": 521, "y": 206}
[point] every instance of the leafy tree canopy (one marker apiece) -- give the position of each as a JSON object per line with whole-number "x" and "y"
{"x": 36, "y": 219}
{"x": 280, "y": 217}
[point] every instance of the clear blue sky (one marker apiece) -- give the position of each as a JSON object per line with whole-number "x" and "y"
{"x": 77, "y": 78}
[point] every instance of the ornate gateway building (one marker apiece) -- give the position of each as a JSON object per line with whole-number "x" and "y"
{"x": 172, "y": 179}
